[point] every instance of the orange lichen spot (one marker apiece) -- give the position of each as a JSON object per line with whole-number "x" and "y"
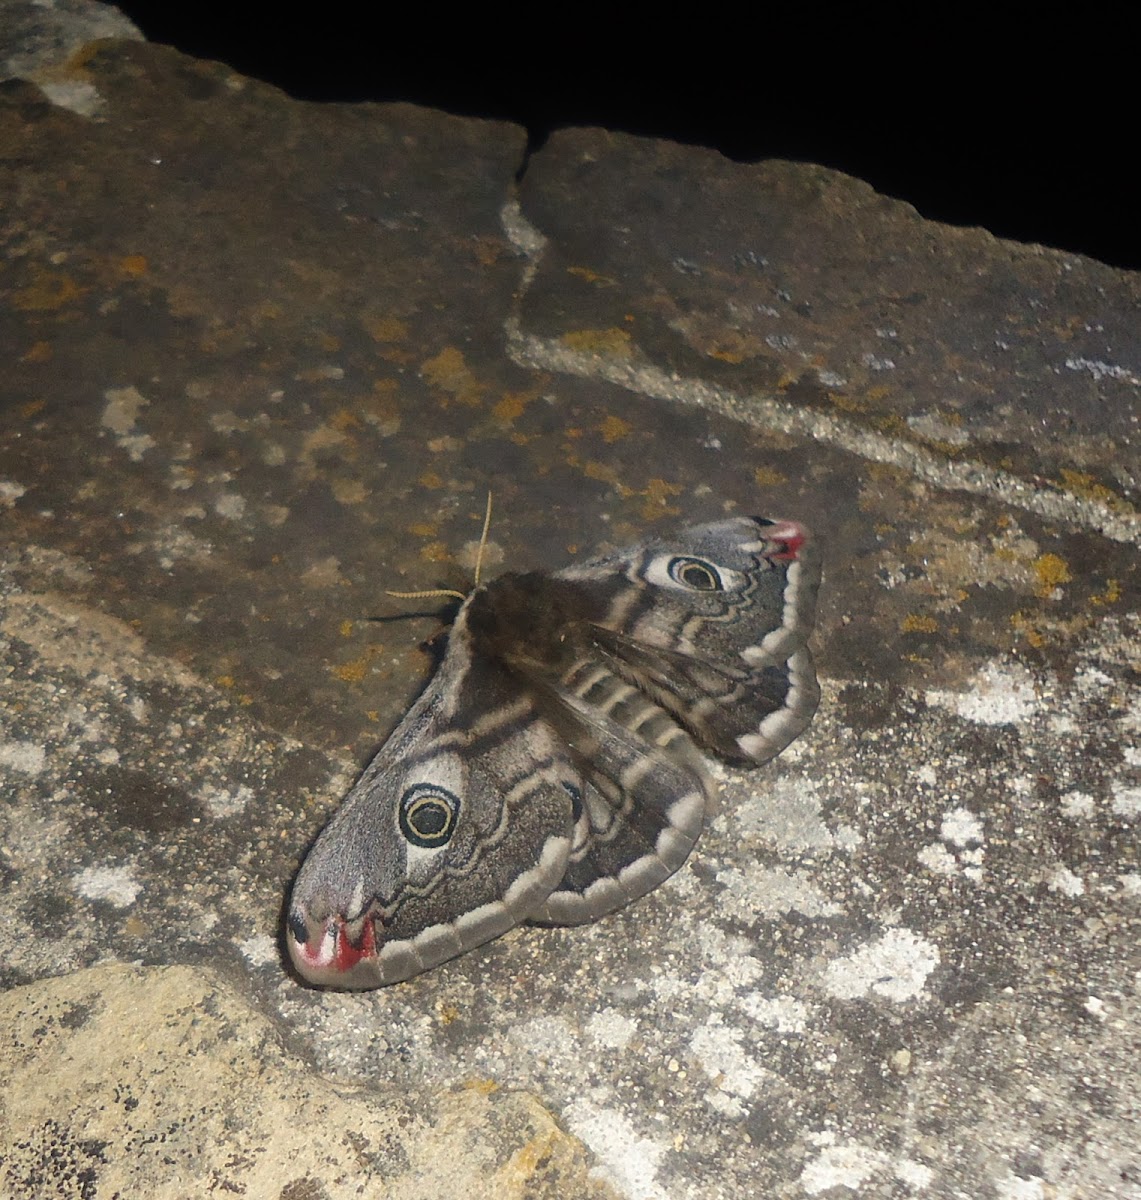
{"x": 914, "y": 623}
{"x": 321, "y": 440}
{"x": 512, "y": 406}
{"x": 657, "y": 493}
{"x": 31, "y": 408}
{"x": 226, "y": 681}
{"x": 884, "y": 471}
{"x": 349, "y": 491}
{"x": 37, "y": 352}
{"x": 589, "y": 276}
{"x": 613, "y": 429}
{"x": 447, "y": 1012}
{"x": 1052, "y": 572}
{"x": 1084, "y": 485}
{"x": 434, "y": 552}
{"x": 357, "y": 669}
{"x": 383, "y": 328}
{"x": 352, "y": 672}
{"x": 423, "y": 529}
{"x": 134, "y": 265}
{"x": 430, "y": 479}
{"x": 345, "y": 628}
{"x": 890, "y": 423}
{"x": 846, "y": 403}
{"x": 329, "y": 343}
{"x": 769, "y": 477}
{"x": 1111, "y": 595}
{"x": 729, "y": 356}
{"x": 48, "y": 293}
{"x": 488, "y": 250}
{"x": 449, "y": 372}
{"x": 600, "y": 471}
{"x": 345, "y": 418}
{"x": 1024, "y": 627}
{"x": 608, "y": 343}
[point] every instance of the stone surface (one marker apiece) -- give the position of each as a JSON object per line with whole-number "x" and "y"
{"x": 163, "y": 1082}
{"x": 265, "y": 358}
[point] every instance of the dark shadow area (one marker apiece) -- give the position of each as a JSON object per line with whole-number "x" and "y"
{"x": 1010, "y": 147}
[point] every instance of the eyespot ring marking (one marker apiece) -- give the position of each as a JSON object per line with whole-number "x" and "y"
{"x": 696, "y": 574}
{"x": 428, "y": 815}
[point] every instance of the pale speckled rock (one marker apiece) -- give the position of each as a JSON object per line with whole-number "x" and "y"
{"x": 164, "y": 1083}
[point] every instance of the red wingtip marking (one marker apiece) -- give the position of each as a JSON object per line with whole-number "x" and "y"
{"x": 347, "y": 955}
{"x": 791, "y": 537}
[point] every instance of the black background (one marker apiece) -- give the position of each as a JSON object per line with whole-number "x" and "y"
{"x": 1033, "y": 137}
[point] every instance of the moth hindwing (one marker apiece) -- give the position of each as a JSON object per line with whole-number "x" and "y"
{"x": 553, "y": 769}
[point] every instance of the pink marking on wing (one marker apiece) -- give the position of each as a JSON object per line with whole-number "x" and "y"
{"x": 348, "y": 955}
{"x": 791, "y": 534}
{"x": 333, "y": 953}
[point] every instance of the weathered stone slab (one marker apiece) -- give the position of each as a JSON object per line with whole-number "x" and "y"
{"x": 265, "y": 358}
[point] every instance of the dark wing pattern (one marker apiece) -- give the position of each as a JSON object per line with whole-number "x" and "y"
{"x": 551, "y": 771}
{"x": 696, "y": 640}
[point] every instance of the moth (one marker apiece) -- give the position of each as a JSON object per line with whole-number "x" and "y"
{"x": 553, "y": 769}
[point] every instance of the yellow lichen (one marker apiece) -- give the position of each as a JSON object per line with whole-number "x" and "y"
{"x": 48, "y": 293}
{"x": 512, "y": 406}
{"x": 1023, "y": 625}
{"x": 1051, "y": 572}
{"x": 614, "y": 429}
{"x": 448, "y": 371}
{"x": 357, "y": 669}
{"x": 1084, "y": 485}
{"x": 769, "y": 477}
{"x": 612, "y": 342}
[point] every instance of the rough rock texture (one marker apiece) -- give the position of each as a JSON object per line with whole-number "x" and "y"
{"x": 263, "y": 361}
{"x": 131, "y": 1081}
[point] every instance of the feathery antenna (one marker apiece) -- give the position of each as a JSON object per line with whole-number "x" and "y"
{"x": 450, "y": 592}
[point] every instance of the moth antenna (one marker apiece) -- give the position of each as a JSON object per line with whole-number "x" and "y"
{"x": 450, "y": 592}
{"x": 482, "y": 540}
{"x": 425, "y": 595}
